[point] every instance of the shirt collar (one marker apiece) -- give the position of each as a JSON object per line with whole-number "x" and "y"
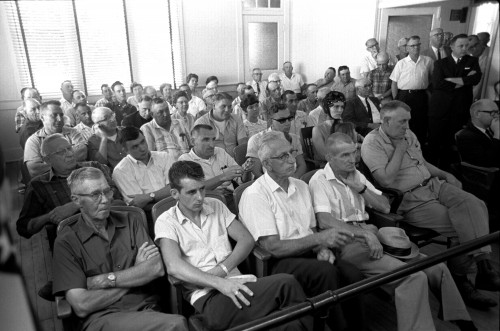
{"x": 181, "y": 218}
{"x": 115, "y": 220}
{"x": 454, "y": 58}
{"x": 131, "y": 158}
{"x": 275, "y": 186}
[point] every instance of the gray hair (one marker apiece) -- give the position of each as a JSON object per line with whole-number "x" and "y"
{"x": 388, "y": 108}
{"x": 79, "y": 176}
{"x": 266, "y": 143}
{"x": 361, "y": 82}
{"x": 31, "y": 100}
{"x": 49, "y": 140}
{"x": 100, "y": 111}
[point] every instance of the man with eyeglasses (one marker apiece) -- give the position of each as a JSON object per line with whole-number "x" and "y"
{"x": 452, "y": 79}
{"x": 281, "y": 124}
{"x": 141, "y": 116}
{"x": 277, "y": 211}
{"x": 479, "y": 144}
{"x": 47, "y": 199}
{"x": 52, "y": 118}
{"x": 229, "y": 128}
{"x": 369, "y": 61}
{"x": 379, "y": 77}
{"x": 479, "y": 50}
{"x": 104, "y": 261}
{"x": 411, "y": 78}
{"x": 364, "y": 110}
{"x": 259, "y": 85}
{"x": 436, "y": 51}
{"x": 432, "y": 198}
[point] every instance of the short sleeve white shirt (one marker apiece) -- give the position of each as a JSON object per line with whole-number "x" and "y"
{"x": 203, "y": 248}
{"x": 134, "y": 177}
{"x": 411, "y": 75}
{"x": 293, "y": 83}
{"x": 266, "y": 209}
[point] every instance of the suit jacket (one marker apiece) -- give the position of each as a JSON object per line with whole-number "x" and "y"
{"x": 446, "y": 99}
{"x": 356, "y": 112}
{"x": 430, "y": 53}
{"x": 477, "y": 148}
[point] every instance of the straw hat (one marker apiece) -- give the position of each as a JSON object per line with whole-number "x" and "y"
{"x": 396, "y": 243}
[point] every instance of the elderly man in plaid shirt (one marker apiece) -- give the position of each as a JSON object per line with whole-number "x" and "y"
{"x": 381, "y": 84}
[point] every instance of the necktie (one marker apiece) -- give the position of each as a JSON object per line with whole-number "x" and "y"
{"x": 258, "y": 88}
{"x": 489, "y": 132}
{"x": 439, "y": 54}
{"x": 369, "y": 110}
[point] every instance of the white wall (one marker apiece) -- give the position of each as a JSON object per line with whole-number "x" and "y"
{"x": 210, "y": 35}
{"x": 327, "y": 33}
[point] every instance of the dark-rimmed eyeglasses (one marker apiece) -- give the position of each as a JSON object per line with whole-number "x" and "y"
{"x": 283, "y": 120}
{"x": 491, "y": 112}
{"x": 285, "y": 156}
{"x": 97, "y": 196}
{"x": 62, "y": 152}
{"x": 414, "y": 46}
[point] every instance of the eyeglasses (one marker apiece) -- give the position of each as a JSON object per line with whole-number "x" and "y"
{"x": 491, "y": 112}
{"x": 414, "y": 46}
{"x": 62, "y": 152}
{"x": 286, "y": 156}
{"x": 374, "y": 45}
{"x": 112, "y": 117}
{"x": 283, "y": 120}
{"x": 97, "y": 196}
{"x": 438, "y": 34}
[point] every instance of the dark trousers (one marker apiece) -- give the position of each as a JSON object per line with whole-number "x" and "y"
{"x": 419, "y": 104}
{"x": 441, "y": 141}
{"x": 270, "y": 294}
{"x": 317, "y": 277}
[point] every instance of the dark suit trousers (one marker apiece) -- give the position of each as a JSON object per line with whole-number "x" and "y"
{"x": 418, "y": 102}
{"x": 317, "y": 277}
{"x": 270, "y": 294}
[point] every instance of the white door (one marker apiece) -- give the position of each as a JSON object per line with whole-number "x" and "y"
{"x": 263, "y": 44}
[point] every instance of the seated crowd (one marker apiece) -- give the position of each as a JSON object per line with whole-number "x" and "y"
{"x": 397, "y": 122}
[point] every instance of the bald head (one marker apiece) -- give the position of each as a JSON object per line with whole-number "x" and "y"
{"x": 482, "y": 104}
{"x": 484, "y": 37}
{"x": 482, "y": 113}
{"x": 335, "y": 140}
{"x": 101, "y": 114}
{"x": 382, "y": 58}
{"x": 273, "y": 86}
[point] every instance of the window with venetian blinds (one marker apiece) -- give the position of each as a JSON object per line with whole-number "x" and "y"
{"x": 92, "y": 42}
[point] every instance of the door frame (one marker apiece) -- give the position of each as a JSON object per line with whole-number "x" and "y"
{"x": 386, "y": 13}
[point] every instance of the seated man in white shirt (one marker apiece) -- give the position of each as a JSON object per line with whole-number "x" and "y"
{"x": 340, "y": 193}
{"x": 194, "y": 241}
{"x": 290, "y": 80}
{"x": 142, "y": 176}
{"x": 196, "y": 104}
{"x": 84, "y": 117}
{"x": 277, "y": 210}
{"x": 281, "y": 123}
{"x": 318, "y": 115}
{"x": 220, "y": 169}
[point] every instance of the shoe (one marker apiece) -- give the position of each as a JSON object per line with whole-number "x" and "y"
{"x": 487, "y": 278}
{"x": 46, "y": 292}
{"x": 465, "y": 325}
{"x": 472, "y": 297}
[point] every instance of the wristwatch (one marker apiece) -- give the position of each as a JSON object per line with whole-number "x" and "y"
{"x": 112, "y": 279}
{"x": 152, "y": 195}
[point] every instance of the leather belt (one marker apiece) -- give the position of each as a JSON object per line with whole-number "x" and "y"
{"x": 413, "y": 91}
{"x": 419, "y": 185}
